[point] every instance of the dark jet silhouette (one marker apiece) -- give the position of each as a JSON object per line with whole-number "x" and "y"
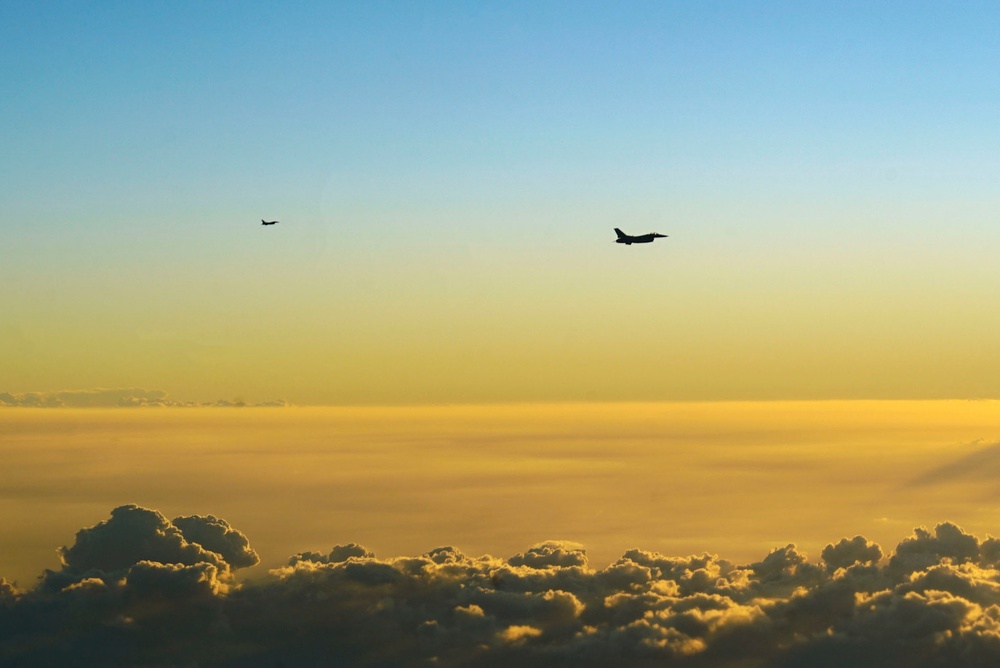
{"x": 640, "y": 239}
{"x": 267, "y": 222}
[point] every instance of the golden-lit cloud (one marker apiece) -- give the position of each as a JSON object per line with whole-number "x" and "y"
{"x": 138, "y": 535}
{"x": 140, "y": 589}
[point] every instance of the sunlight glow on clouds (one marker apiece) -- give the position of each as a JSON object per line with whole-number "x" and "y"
{"x": 140, "y": 589}
{"x": 785, "y": 510}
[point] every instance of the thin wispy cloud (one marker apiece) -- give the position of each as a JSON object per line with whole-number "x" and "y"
{"x": 133, "y": 397}
{"x": 139, "y": 589}
{"x": 981, "y": 465}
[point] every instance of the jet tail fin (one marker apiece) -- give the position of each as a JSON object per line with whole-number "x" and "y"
{"x": 620, "y": 234}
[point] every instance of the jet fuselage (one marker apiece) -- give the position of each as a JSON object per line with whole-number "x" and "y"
{"x": 638, "y": 239}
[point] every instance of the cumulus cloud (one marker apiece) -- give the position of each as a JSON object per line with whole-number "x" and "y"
{"x": 216, "y": 535}
{"x": 337, "y": 555}
{"x": 139, "y": 589}
{"x": 848, "y": 553}
{"x": 552, "y": 554}
{"x": 110, "y": 550}
{"x": 131, "y": 535}
{"x": 111, "y": 398}
{"x": 948, "y": 544}
{"x": 8, "y": 592}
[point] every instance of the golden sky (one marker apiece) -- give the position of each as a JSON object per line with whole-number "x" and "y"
{"x": 447, "y": 217}
{"x": 685, "y": 320}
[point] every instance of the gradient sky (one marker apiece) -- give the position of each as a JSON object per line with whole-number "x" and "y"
{"x": 447, "y": 176}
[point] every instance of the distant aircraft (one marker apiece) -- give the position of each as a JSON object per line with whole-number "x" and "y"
{"x": 641, "y": 239}
{"x": 267, "y": 222}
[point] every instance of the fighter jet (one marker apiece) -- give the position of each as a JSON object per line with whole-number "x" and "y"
{"x": 640, "y": 239}
{"x": 267, "y": 222}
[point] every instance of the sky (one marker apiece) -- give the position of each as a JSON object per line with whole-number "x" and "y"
{"x": 436, "y": 416}
{"x": 447, "y": 177}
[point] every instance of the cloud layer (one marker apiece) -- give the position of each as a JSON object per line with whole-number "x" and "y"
{"x": 109, "y": 398}
{"x": 139, "y": 589}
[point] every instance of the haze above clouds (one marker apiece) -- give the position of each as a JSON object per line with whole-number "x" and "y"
{"x": 730, "y": 478}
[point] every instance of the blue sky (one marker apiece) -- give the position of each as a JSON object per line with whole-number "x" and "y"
{"x": 422, "y": 149}
{"x": 176, "y": 105}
